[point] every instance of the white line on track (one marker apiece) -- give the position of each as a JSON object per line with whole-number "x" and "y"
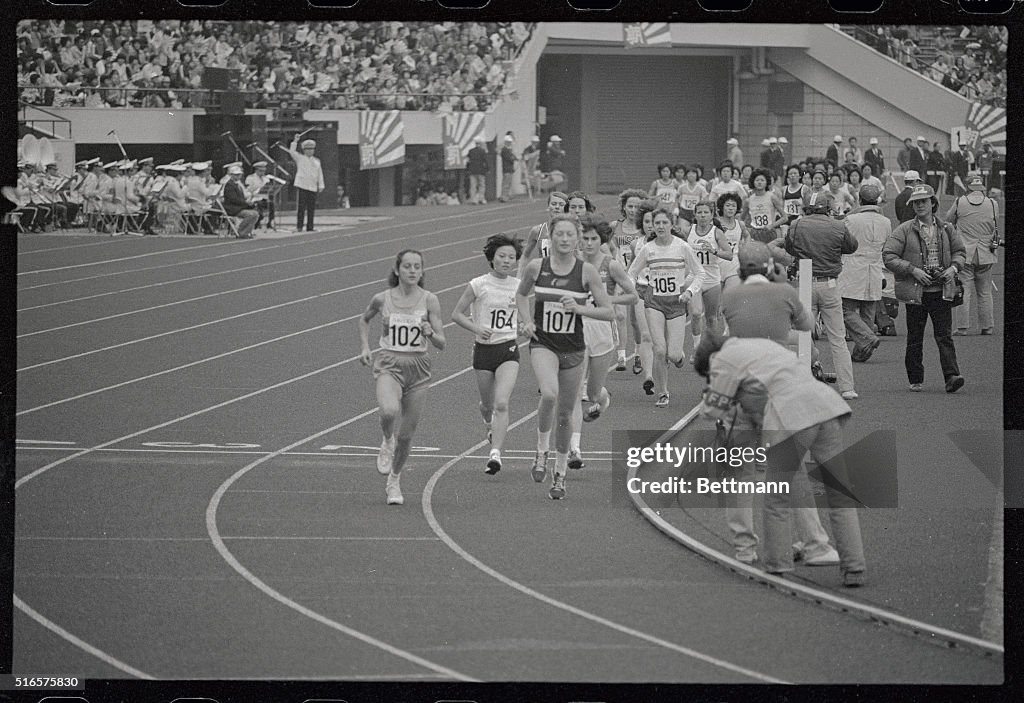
{"x": 235, "y": 290}
{"x": 123, "y": 258}
{"x": 228, "y": 318}
{"x": 256, "y": 452}
{"x": 221, "y": 356}
{"x": 241, "y": 252}
{"x": 221, "y": 547}
{"x": 240, "y": 269}
{"x": 78, "y": 642}
{"x": 71, "y": 246}
{"x": 272, "y": 538}
{"x": 428, "y": 513}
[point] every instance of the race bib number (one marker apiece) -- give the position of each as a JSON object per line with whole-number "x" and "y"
{"x": 793, "y": 206}
{"x": 664, "y": 283}
{"x": 556, "y": 319}
{"x": 404, "y": 332}
{"x": 501, "y": 318}
{"x": 704, "y": 257}
{"x": 627, "y": 255}
{"x": 666, "y": 196}
{"x": 760, "y": 221}
{"x": 688, "y": 203}
{"x": 545, "y": 247}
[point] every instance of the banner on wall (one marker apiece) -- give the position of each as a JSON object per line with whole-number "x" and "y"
{"x": 458, "y": 131}
{"x": 640, "y": 34}
{"x": 381, "y": 140}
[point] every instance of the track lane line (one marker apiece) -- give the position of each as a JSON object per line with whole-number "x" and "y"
{"x": 226, "y": 319}
{"x": 221, "y": 356}
{"x": 245, "y": 251}
{"x": 240, "y": 269}
{"x": 428, "y": 513}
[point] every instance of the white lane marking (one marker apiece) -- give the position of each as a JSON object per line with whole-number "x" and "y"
{"x": 77, "y": 246}
{"x": 269, "y": 538}
{"x": 242, "y": 252}
{"x": 428, "y": 513}
{"x": 43, "y": 469}
{"x": 792, "y": 587}
{"x": 213, "y": 358}
{"x": 78, "y": 642}
{"x": 240, "y": 269}
{"x": 235, "y": 290}
{"x": 225, "y": 553}
{"x": 40, "y": 441}
{"x": 416, "y": 453}
{"x": 226, "y": 319}
{"x": 123, "y": 258}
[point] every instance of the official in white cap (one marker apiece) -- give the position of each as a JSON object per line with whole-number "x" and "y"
{"x": 551, "y": 165}
{"x": 904, "y": 211}
{"x": 734, "y": 153}
{"x": 873, "y": 157}
{"x": 834, "y": 152}
{"x": 508, "y": 167}
{"x": 477, "y": 167}
{"x": 227, "y": 171}
{"x": 309, "y": 180}
{"x": 236, "y": 204}
{"x": 975, "y": 217}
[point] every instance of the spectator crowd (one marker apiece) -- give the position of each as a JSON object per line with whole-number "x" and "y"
{"x": 316, "y": 65}
{"x": 970, "y": 61}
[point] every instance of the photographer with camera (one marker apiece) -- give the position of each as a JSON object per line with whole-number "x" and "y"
{"x": 926, "y": 254}
{"x": 774, "y": 391}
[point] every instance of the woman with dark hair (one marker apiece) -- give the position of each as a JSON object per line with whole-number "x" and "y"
{"x": 411, "y": 317}
{"x": 538, "y": 242}
{"x": 625, "y": 232}
{"x": 853, "y": 183}
{"x": 711, "y": 246}
{"x": 735, "y": 231}
{"x": 645, "y": 216}
{"x": 691, "y": 192}
{"x": 793, "y": 193}
{"x": 763, "y": 210}
{"x": 491, "y": 299}
{"x": 665, "y": 189}
{"x": 726, "y": 184}
{"x": 561, "y": 284}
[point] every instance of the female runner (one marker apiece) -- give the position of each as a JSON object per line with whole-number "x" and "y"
{"x": 763, "y": 210}
{"x": 665, "y": 189}
{"x": 598, "y": 334}
{"x": 711, "y": 246}
{"x": 691, "y": 192}
{"x": 726, "y": 184}
{"x": 411, "y": 316}
{"x": 561, "y": 283}
{"x": 842, "y": 201}
{"x": 735, "y": 231}
{"x": 793, "y": 193}
{"x": 645, "y": 214}
{"x": 671, "y": 262}
{"x": 538, "y": 243}
{"x": 492, "y": 300}
{"x": 625, "y": 232}
{"x": 853, "y": 183}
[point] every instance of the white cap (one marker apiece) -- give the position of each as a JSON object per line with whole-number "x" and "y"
{"x": 509, "y": 138}
{"x": 873, "y": 140}
{"x": 837, "y": 138}
{"x": 259, "y": 164}
{"x": 308, "y": 143}
{"x": 921, "y": 139}
{"x": 732, "y": 140}
{"x": 783, "y": 140}
{"x": 200, "y": 165}
{"x": 535, "y": 138}
{"x": 233, "y": 164}
{"x": 911, "y": 176}
{"x": 765, "y": 142}
{"x": 555, "y": 138}
{"x": 235, "y": 171}
{"x": 479, "y": 140}
{"x": 773, "y": 140}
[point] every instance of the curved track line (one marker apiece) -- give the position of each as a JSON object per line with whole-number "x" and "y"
{"x": 240, "y": 269}
{"x": 304, "y": 241}
{"x": 428, "y": 513}
{"x": 77, "y": 641}
{"x": 227, "y": 319}
{"x": 225, "y": 553}
{"x": 817, "y": 596}
{"x": 218, "y": 356}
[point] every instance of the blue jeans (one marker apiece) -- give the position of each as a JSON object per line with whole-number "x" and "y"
{"x": 824, "y": 441}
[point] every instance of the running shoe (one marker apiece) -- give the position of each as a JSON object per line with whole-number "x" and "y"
{"x": 557, "y": 491}
{"x": 594, "y": 411}
{"x": 540, "y": 467}
{"x": 662, "y": 401}
{"x": 649, "y": 386}
{"x": 393, "y": 490}
{"x": 621, "y": 364}
{"x": 638, "y": 366}
{"x": 954, "y": 383}
{"x": 854, "y": 579}
{"x": 679, "y": 364}
{"x": 849, "y": 395}
{"x": 493, "y": 463}
{"x": 829, "y": 557}
{"x": 386, "y": 456}
{"x": 747, "y": 555}
{"x": 916, "y": 387}
{"x": 575, "y": 459}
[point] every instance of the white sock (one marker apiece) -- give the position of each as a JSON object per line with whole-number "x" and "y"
{"x": 622, "y": 355}
{"x": 561, "y": 463}
{"x": 574, "y": 441}
{"x": 543, "y": 441}
{"x": 495, "y": 454}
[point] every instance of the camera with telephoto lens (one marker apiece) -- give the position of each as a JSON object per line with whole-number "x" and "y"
{"x": 934, "y": 273}
{"x": 821, "y": 374}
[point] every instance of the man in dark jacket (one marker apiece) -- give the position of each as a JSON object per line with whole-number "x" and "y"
{"x": 833, "y": 154}
{"x": 873, "y": 157}
{"x": 925, "y": 255}
{"x": 477, "y": 168}
{"x": 508, "y": 167}
{"x": 236, "y": 205}
{"x": 918, "y": 160}
{"x": 904, "y": 211}
{"x": 958, "y": 168}
{"x": 823, "y": 240}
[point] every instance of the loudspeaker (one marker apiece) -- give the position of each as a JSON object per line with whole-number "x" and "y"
{"x": 210, "y": 143}
{"x": 219, "y": 78}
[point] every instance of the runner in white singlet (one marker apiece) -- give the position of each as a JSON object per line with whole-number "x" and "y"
{"x": 538, "y": 243}
{"x": 691, "y": 192}
{"x": 711, "y": 247}
{"x": 735, "y": 231}
{"x": 763, "y": 210}
{"x": 665, "y": 189}
{"x": 626, "y": 231}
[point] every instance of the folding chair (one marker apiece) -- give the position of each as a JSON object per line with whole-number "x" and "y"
{"x": 227, "y": 224}
{"x": 14, "y": 216}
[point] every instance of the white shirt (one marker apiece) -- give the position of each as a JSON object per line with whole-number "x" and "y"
{"x": 309, "y": 176}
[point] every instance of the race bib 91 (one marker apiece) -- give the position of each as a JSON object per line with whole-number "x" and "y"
{"x": 555, "y": 319}
{"x": 545, "y": 247}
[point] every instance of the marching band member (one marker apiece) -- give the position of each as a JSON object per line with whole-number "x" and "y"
{"x": 142, "y": 185}
{"x": 236, "y": 203}
{"x": 39, "y": 200}
{"x": 255, "y": 183}
{"x": 51, "y": 183}
{"x": 227, "y": 172}
{"x": 197, "y": 195}
{"x": 30, "y": 215}
{"x": 172, "y": 194}
{"x": 74, "y": 195}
